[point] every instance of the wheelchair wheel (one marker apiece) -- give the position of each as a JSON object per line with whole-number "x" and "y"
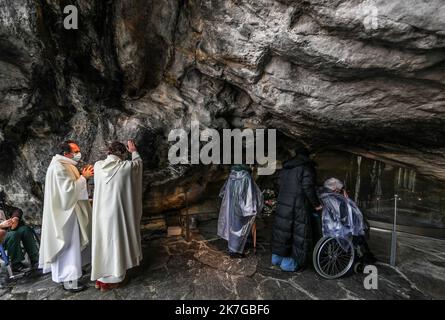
{"x": 359, "y": 267}
{"x": 331, "y": 259}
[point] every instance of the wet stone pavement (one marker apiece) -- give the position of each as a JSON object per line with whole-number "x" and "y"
{"x": 201, "y": 269}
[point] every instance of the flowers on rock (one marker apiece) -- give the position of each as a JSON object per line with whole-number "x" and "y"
{"x": 270, "y": 202}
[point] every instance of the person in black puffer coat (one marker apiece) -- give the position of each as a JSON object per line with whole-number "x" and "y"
{"x": 297, "y": 199}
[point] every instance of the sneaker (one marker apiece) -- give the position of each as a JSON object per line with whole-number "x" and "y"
{"x": 73, "y": 286}
{"x": 276, "y": 260}
{"x": 289, "y": 264}
{"x": 18, "y": 267}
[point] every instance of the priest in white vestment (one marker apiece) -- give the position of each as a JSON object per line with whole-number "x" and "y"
{"x": 66, "y": 221}
{"x": 117, "y": 211}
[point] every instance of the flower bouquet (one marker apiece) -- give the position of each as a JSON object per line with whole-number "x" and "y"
{"x": 270, "y": 202}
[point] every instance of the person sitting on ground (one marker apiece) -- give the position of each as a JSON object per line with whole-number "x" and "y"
{"x": 341, "y": 217}
{"x": 14, "y": 232}
{"x": 4, "y": 225}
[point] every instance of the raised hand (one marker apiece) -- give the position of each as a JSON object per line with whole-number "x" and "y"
{"x": 88, "y": 172}
{"x": 131, "y": 146}
{"x": 6, "y": 224}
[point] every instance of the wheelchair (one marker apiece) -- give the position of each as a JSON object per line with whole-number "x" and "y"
{"x": 7, "y": 262}
{"x": 333, "y": 258}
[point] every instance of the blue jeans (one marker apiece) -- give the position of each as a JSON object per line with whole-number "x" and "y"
{"x": 285, "y": 263}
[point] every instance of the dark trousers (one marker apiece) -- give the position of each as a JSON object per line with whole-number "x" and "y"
{"x": 13, "y": 241}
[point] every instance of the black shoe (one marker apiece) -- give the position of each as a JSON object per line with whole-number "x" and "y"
{"x": 236, "y": 255}
{"x": 79, "y": 288}
{"x": 18, "y": 267}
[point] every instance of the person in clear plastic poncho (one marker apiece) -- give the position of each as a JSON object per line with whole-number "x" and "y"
{"x": 341, "y": 217}
{"x": 242, "y": 201}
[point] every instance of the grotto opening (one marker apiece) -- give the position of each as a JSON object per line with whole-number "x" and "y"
{"x": 367, "y": 98}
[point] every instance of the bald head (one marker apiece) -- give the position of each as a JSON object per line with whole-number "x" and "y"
{"x": 74, "y": 147}
{"x": 69, "y": 148}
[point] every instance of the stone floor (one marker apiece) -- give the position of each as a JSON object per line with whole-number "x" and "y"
{"x": 175, "y": 269}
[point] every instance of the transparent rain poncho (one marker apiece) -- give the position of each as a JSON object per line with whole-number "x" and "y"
{"x": 242, "y": 200}
{"x": 338, "y": 224}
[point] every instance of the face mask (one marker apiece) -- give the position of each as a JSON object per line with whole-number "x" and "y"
{"x": 77, "y": 156}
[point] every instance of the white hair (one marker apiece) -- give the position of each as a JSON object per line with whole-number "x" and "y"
{"x": 333, "y": 184}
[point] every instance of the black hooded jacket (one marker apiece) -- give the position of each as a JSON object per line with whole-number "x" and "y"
{"x": 297, "y": 199}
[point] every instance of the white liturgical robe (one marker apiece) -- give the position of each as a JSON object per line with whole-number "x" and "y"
{"x": 117, "y": 211}
{"x": 66, "y": 221}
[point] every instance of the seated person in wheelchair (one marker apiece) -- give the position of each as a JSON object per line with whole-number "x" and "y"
{"x": 341, "y": 218}
{"x": 13, "y": 233}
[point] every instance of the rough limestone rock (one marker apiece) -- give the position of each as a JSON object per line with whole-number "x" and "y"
{"x": 365, "y": 76}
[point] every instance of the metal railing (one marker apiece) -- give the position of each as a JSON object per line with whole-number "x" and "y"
{"x": 392, "y": 259}
{"x": 392, "y": 226}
